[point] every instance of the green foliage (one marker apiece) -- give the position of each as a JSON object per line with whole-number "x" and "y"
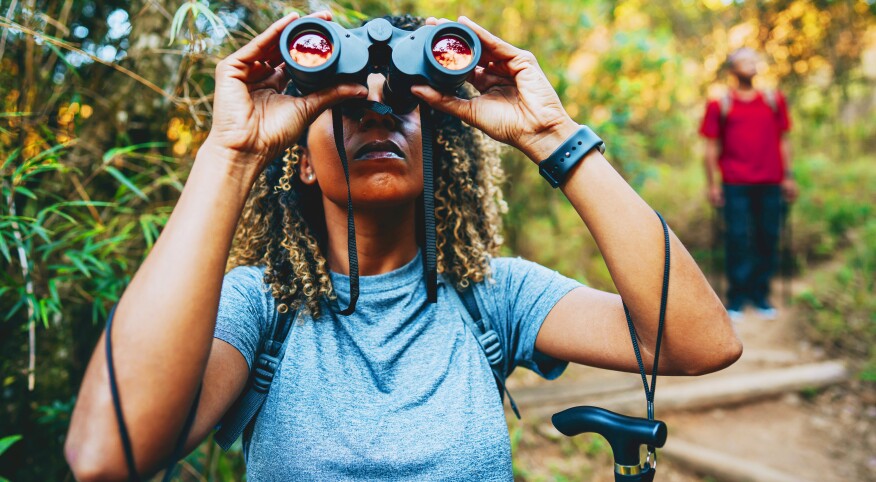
{"x": 191, "y": 10}
{"x": 7, "y": 442}
{"x": 840, "y": 307}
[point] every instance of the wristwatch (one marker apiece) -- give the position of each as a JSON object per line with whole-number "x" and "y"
{"x": 557, "y": 166}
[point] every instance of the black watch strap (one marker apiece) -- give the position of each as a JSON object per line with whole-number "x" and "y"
{"x": 557, "y": 166}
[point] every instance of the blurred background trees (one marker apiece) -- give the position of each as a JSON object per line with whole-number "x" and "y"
{"x": 106, "y": 102}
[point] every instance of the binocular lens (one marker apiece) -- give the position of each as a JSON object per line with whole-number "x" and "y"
{"x": 310, "y": 49}
{"x": 452, "y": 52}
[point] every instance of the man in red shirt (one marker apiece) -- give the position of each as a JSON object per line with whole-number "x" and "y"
{"x": 746, "y": 143}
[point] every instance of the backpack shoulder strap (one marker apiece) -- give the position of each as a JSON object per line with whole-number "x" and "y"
{"x": 486, "y": 337}
{"x": 770, "y": 97}
{"x": 725, "y": 102}
{"x": 244, "y": 410}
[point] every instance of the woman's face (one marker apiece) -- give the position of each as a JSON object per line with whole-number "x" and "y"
{"x": 384, "y": 155}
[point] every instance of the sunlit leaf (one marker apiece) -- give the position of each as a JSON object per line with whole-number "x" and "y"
{"x": 211, "y": 17}
{"x": 7, "y": 442}
{"x": 126, "y": 182}
{"x": 74, "y": 258}
{"x": 178, "y": 19}
{"x": 120, "y": 151}
{"x": 25, "y": 191}
{"x": 43, "y": 312}
{"x": 11, "y": 157}
{"x": 4, "y": 248}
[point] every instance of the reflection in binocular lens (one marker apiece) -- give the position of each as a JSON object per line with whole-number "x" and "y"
{"x": 310, "y": 49}
{"x": 452, "y": 52}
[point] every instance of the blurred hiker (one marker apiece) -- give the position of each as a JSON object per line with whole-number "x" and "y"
{"x": 747, "y": 143}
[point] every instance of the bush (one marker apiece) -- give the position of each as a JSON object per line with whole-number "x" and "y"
{"x": 840, "y": 309}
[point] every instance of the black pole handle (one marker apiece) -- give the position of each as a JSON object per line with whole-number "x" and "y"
{"x": 624, "y": 434}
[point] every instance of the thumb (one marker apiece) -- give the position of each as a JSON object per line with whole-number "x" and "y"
{"x": 319, "y": 101}
{"x": 447, "y": 103}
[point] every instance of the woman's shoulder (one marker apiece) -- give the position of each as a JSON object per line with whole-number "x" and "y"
{"x": 245, "y": 282}
{"x": 246, "y": 274}
{"x": 503, "y": 267}
{"x": 511, "y": 276}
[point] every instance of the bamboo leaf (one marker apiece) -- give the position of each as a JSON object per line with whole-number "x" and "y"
{"x": 178, "y": 19}
{"x": 119, "y": 151}
{"x": 25, "y": 191}
{"x": 50, "y": 151}
{"x": 147, "y": 228}
{"x": 53, "y": 290}
{"x": 126, "y": 182}
{"x": 212, "y": 18}
{"x": 11, "y": 157}
{"x": 17, "y": 306}
{"x": 74, "y": 258}
{"x": 4, "y": 248}
{"x": 43, "y": 312}
{"x": 7, "y": 442}
{"x": 63, "y": 57}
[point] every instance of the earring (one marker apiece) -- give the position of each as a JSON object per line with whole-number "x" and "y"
{"x": 309, "y": 176}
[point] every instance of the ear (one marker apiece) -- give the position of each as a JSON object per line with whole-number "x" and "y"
{"x": 305, "y": 171}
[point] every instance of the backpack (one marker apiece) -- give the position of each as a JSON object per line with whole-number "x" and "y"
{"x": 242, "y": 414}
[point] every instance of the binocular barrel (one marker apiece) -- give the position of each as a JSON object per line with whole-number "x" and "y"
{"x": 319, "y": 54}
{"x": 625, "y": 434}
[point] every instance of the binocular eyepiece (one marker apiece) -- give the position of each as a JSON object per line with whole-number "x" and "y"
{"x": 320, "y": 54}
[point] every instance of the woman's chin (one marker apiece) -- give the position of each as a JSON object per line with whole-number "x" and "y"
{"x": 385, "y": 197}
{"x": 381, "y": 189}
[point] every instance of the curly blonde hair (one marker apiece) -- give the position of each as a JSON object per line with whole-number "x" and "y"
{"x": 283, "y": 223}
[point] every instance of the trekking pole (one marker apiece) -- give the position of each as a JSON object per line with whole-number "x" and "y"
{"x": 787, "y": 255}
{"x": 717, "y": 275}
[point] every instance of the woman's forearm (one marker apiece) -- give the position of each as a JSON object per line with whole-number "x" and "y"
{"x": 630, "y": 238}
{"x": 163, "y": 325}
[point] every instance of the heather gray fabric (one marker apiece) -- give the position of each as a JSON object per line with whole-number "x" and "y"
{"x": 400, "y": 390}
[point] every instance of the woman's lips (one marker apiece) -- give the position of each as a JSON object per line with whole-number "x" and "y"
{"x": 378, "y": 155}
{"x": 382, "y": 149}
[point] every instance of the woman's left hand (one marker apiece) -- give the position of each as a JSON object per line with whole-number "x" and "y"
{"x": 517, "y": 105}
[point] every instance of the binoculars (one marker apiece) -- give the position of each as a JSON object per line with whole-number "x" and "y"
{"x": 320, "y": 54}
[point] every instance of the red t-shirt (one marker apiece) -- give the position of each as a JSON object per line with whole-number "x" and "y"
{"x": 750, "y": 139}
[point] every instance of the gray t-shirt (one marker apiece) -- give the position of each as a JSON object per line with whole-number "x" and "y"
{"x": 399, "y": 390}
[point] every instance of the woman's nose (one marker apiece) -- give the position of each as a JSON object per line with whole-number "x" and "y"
{"x": 370, "y": 118}
{"x": 375, "y": 87}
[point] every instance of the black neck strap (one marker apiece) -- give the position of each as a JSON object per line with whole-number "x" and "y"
{"x": 430, "y": 256}
{"x": 664, "y": 294}
{"x": 338, "y": 126}
{"x": 127, "y": 446}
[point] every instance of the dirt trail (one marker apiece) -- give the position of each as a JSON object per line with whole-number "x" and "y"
{"x": 810, "y": 436}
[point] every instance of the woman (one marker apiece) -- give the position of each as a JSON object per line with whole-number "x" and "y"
{"x": 399, "y": 389}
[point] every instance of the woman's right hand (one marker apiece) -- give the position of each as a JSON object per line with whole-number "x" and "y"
{"x": 253, "y": 121}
